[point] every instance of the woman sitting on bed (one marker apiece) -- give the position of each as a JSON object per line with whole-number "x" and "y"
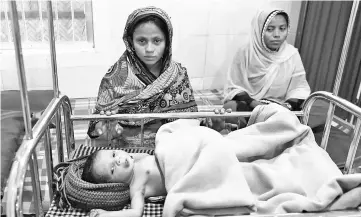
{"x": 145, "y": 79}
{"x": 267, "y": 68}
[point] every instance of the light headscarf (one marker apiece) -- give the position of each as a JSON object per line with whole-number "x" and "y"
{"x": 255, "y": 66}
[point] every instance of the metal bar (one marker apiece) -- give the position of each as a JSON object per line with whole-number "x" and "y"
{"x": 24, "y": 20}
{"x": 49, "y": 161}
{"x": 69, "y": 131}
{"x": 57, "y": 20}
{"x": 345, "y": 47}
{"x": 88, "y": 10}
{"x": 21, "y": 70}
{"x": 353, "y": 147}
{"x": 13, "y": 200}
{"x": 72, "y": 19}
{"x": 327, "y": 129}
{"x": 142, "y": 132}
{"x": 7, "y": 20}
{"x": 18, "y": 169}
{"x": 109, "y": 132}
{"x": 348, "y": 125}
{"x": 59, "y": 137}
{"x": 54, "y": 68}
{"x": 338, "y": 101}
{"x": 34, "y": 171}
{"x": 164, "y": 115}
{"x": 335, "y": 213}
{"x": 41, "y": 21}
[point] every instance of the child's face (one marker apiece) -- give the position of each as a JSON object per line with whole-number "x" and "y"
{"x": 276, "y": 32}
{"x": 115, "y": 166}
{"x": 149, "y": 43}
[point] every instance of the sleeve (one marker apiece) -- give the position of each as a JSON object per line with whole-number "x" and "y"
{"x": 299, "y": 87}
{"x": 296, "y": 104}
{"x": 243, "y": 96}
{"x": 187, "y": 81}
{"x": 105, "y": 101}
{"x": 234, "y": 78}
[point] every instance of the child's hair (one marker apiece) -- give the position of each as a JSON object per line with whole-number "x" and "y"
{"x": 80, "y": 187}
{"x": 157, "y": 21}
{"x": 88, "y": 170}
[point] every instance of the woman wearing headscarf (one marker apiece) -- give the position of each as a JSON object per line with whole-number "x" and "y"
{"x": 145, "y": 79}
{"x": 267, "y": 69}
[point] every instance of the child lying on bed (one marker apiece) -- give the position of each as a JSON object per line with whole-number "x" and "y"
{"x": 142, "y": 172}
{"x": 139, "y": 171}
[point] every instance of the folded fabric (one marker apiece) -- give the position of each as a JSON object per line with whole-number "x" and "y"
{"x": 272, "y": 166}
{"x": 199, "y": 173}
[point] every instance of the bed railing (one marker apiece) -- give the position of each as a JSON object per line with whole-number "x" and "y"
{"x": 26, "y": 154}
{"x": 345, "y": 105}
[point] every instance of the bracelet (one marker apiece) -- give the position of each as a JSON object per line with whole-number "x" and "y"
{"x": 289, "y": 106}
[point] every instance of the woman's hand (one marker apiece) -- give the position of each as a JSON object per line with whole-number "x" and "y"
{"x": 109, "y": 113}
{"x": 222, "y": 111}
{"x": 108, "y": 129}
{"x": 216, "y": 123}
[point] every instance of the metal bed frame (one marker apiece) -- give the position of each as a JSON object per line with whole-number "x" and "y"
{"x": 60, "y": 109}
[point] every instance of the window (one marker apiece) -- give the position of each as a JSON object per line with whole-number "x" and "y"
{"x": 73, "y": 22}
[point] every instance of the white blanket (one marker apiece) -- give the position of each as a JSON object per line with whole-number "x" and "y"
{"x": 280, "y": 168}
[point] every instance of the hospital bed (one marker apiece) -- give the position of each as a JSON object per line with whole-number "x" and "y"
{"x": 60, "y": 109}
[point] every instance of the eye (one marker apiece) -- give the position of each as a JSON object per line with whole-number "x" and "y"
{"x": 157, "y": 41}
{"x": 269, "y": 29}
{"x": 141, "y": 41}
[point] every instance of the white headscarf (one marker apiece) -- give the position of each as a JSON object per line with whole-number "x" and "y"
{"x": 256, "y": 69}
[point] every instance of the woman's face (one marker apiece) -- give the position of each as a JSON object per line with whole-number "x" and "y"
{"x": 149, "y": 43}
{"x": 276, "y": 32}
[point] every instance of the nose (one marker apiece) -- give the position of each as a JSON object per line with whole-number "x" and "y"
{"x": 276, "y": 33}
{"x": 119, "y": 160}
{"x": 149, "y": 48}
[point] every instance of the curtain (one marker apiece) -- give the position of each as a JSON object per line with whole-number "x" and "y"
{"x": 321, "y": 40}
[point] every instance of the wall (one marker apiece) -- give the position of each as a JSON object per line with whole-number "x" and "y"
{"x": 206, "y": 36}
